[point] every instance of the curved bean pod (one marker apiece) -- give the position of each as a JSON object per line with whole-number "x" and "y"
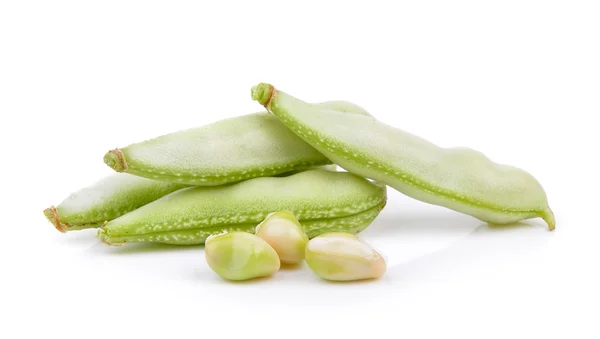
{"x": 321, "y": 200}
{"x": 227, "y": 151}
{"x": 106, "y": 199}
{"x": 458, "y": 178}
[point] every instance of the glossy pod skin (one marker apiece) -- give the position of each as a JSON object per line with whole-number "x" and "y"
{"x": 323, "y": 201}
{"x": 458, "y": 178}
{"x": 106, "y": 199}
{"x": 226, "y": 151}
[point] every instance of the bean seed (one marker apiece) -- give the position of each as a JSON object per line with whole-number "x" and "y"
{"x": 285, "y": 234}
{"x": 343, "y": 257}
{"x": 240, "y": 256}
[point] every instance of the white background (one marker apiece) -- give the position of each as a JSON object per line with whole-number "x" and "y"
{"x": 516, "y": 80}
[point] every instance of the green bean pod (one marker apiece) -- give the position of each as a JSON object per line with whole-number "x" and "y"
{"x": 223, "y": 152}
{"x": 458, "y": 178}
{"x": 321, "y": 200}
{"x": 106, "y": 199}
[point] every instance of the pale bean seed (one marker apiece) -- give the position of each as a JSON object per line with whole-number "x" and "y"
{"x": 240, "y": 256}
{"x": 284, "y": 233}
{"x": 343, "y": 257}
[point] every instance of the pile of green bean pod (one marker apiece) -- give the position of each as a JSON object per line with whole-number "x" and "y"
{"x": 298, "y": 181}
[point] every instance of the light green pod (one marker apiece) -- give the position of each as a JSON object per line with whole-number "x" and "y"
{"x": 226, "y": 151}
{"x": 459, "y": 178}
{"x": 240, "y": 256}
{"x": 284, "y": 233}
{"x": 106, "y": 199}
{"x": 323, "y": 201}
{"x": 330, "y": 167}
{"x": 340, "y": 256}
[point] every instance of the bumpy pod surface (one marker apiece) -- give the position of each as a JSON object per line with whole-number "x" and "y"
{"x": 105, "y": 200}
{"x": 226, "y": 151}
{"x": 458, "y": 178}
{"x": 240, "y": 256}
{"x": 340, "y": 256}
{"x": 323, "y": 201}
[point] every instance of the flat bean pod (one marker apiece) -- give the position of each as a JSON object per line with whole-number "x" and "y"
{"x": 321, "y": 200}
{"x": 106, "y": 199}
{"x": 458, "y": 178}
{"x": 226, "y": 151}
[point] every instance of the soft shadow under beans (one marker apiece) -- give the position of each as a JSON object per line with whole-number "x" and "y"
{"x": 293, "y": 267}
{"x": 433, "y": 224}
{"x": 80, "y": 237}
{"x": 350, "y": 282}
{"x": 140, "y": 248}
{"x": 481, "y": 250}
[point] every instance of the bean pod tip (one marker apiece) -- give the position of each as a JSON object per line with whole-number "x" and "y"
{"x": 51, "y": 214}
{"x": 101, "y": 235}
{"x": 115, "y": 159}
{"x": 548, "y": 217}
{"x": 263, "y": 93}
